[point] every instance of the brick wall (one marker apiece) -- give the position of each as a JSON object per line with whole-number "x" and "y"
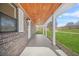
{"x": 12, "y": 44}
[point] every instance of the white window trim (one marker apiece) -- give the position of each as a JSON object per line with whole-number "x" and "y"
{"x": 20, "y": 20}
{"x": 14, "y": 9}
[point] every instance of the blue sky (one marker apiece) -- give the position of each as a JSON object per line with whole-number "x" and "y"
{"x": 71, "y": 15}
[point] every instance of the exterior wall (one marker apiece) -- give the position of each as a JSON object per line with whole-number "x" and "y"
{"x": 13, "y": 43}
{"x": 8, "y": 9}
{"x": 31, "y": 29}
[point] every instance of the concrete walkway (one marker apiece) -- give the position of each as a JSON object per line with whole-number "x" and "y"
{"x": 38, "y": 51}
{"x": 40, "y": 46}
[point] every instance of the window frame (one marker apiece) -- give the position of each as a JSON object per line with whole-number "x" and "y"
{"x": 2, "y": 14}
{"x": 12, "y": 18}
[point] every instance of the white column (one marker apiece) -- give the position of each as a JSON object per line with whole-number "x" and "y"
{"x": 54, "y": 30}
{"x": 20, "y": 20}
{"x": 43, "y": 30}
{"x": 29, "y": 29}
{"x": 46, "y": 31}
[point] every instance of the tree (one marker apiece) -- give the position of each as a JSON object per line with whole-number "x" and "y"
{"x": 77, "y": 25}
{"x": 70, "y": 25}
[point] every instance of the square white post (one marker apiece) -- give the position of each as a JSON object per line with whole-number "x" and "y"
{"x": 29, "y": 29}
{"x": 54, "y": 30}
{"x": 46, "y": 31}
{"x": 20, "y": 20}
{"x": 43, "y": 30}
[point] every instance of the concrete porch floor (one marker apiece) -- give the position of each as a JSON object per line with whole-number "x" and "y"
{"x": 41, "y": 46}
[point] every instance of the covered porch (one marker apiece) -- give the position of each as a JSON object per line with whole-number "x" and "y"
{"x": 40, "y": 44}
{"x": 31, "y": 18}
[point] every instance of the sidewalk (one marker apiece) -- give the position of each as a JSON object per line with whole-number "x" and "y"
{"x": 39, "y": 46}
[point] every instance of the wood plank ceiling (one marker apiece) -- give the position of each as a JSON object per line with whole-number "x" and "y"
{"x": 40, "y": 12}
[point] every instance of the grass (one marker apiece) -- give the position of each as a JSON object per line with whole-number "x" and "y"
{"x": 49, "y": 32}
{"x": 71, "y": 30}
{"x": 69, "y": 40}
{"x": 39, "y": 32}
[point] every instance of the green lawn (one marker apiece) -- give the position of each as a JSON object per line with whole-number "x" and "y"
{"x": 40, "y": 31}
{"x": 49, "y": 32}
{"x": 69, "y": 40}
{"x": 71, "y": 30}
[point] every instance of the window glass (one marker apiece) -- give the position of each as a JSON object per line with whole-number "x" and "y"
{"x": 7, "y": 24}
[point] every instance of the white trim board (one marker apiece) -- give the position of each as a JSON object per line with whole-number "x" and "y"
{"x": 14, "y": 9}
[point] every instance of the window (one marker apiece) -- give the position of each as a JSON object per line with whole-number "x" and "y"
{"x": 7, "y": 23}
{"x": 8, "y": 17}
